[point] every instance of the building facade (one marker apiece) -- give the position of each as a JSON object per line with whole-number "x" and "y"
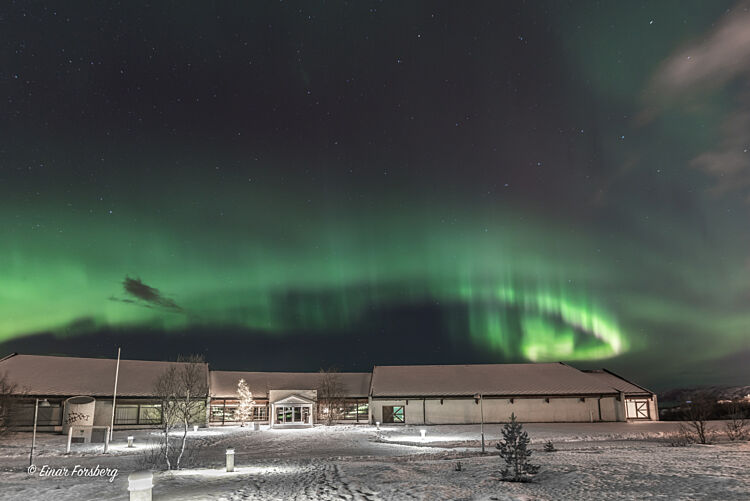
{"x": 462, "y": 394}
{"x": 426, "y": 394}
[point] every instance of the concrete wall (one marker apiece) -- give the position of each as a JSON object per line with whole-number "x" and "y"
{"x": 498, "y": 410}
{"x": 654, "y": 408}
{"x": 103, "y": 413}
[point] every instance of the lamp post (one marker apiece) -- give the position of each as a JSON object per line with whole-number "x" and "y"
{"x": 480, "y": 400}
{"x": 45, "y": 403}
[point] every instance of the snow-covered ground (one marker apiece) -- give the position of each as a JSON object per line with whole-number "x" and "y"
{"x": 594, "y": 461}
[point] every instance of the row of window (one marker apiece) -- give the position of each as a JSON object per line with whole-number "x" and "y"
{"x": 52, "y": 414}
{"x": 138, "y": 414}
{"x": 225, "y": 411}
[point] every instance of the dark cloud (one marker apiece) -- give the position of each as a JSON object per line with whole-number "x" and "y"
{"x": 148, "y": 296}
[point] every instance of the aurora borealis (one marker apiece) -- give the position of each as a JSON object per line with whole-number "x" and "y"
{"x": 294, "y": 185}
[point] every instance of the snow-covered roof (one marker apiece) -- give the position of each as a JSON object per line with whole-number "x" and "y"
{"x": 617, "y": 382}
{"x": 487, "y": 379}
{"x": 67, "y": 376}
{"x": 224, "y": 383}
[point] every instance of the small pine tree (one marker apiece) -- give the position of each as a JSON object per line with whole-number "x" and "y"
{"x": 514, "y": 450}
{"x": 549, "y": 446}
{"x": 245, "y": 409}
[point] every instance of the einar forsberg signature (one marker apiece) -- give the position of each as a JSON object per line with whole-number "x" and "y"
{"x": 77, "y": 471}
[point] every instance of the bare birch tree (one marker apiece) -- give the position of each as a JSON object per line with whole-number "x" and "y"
{"x": 697, "y": 414}
{"x": 183, "y": 390}
{"x": 330, "y": 396}
{"x": 9, "y": 399}
{"x": 737, "y": 424}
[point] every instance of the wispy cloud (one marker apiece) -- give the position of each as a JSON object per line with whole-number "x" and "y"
{"x": 720, "y": 58}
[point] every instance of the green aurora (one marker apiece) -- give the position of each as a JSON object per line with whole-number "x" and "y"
{"x": 538, "y": 198}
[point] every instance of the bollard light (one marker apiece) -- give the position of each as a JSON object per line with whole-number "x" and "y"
{"x": 130, "y": 442}
{"x": 230, "y": 459}
{"x": 140, "y": 484}
{"x": 195, "y": 427}
{"x": 377, "y": 424}
{"x": 423, "y": 433}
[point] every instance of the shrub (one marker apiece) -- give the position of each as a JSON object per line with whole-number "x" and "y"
{"x": 736, "y": 426}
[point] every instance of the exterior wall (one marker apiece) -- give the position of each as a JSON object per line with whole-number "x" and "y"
{"x": 498, "y": 410}
{"x": 103, "y": 413}
{"x": 654, "y": 408}
{"x": 613, "y": 409}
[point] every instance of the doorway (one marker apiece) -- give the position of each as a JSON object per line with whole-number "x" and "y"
{"x": 393, "y": 414}
{"x": 292, "y": 414}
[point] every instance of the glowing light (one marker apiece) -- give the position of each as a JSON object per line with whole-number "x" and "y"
{"x": 140, "y": 481}
{"x": 230, "y": 459}
{"x": 499, "y": 298}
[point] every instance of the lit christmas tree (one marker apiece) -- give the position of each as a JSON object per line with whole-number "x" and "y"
{"x": 245, "y": 409}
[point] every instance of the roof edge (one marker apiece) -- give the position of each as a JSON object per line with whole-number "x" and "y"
{"x": 8, "y": 356}
{"x": 614, "y": 392}
{"x": 628, "y": 381}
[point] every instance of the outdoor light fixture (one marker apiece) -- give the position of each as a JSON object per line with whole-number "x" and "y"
{"x": 140, "y": 484}
{"x": 130, "y": 441}
{"x": 230, "y": 459}
{"x": 423, "y": 432}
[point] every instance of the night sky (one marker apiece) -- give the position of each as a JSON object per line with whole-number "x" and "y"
{"x": 289, "y": 186}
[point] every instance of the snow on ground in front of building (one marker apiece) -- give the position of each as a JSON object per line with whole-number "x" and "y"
{"x": 594, "y": 461}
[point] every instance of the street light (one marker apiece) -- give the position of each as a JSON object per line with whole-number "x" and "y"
{"x": 478, "y": 398}
{"x": 44, "y": 403}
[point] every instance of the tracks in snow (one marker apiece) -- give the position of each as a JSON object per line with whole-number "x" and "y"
{"x": 314, "y": 480}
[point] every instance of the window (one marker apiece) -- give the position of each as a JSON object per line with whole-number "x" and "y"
{"x": 138, "y": 414}
{"x": 23, "y": 415}
{"x": 259, "y": 413}
{"x": 224, "y": 411}
{"x": 355, "y": 410}
{"x": 217, "y": 412}
{"x": 126, "y": 414}
{"x": 393, "y": 414}
{"x": 149, "y": 414}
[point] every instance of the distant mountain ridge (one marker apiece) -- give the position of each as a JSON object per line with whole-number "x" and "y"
{"x": 681, "y": 395}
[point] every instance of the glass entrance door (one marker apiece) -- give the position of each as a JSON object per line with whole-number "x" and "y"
{"x": 292, "y": 414}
